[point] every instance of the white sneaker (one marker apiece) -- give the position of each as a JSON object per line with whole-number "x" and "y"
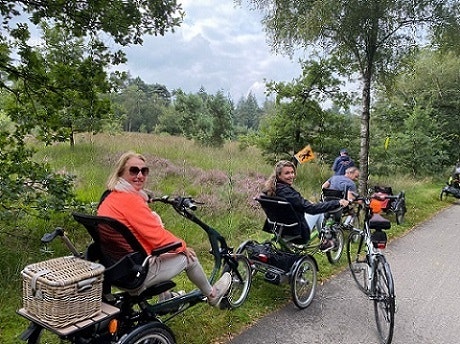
{"x": 221, "y": 288}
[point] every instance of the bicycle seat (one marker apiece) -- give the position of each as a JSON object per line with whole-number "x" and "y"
{"x": 378, "y": 222}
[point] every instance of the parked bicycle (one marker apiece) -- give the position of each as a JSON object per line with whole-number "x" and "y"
{"x": 370, "y": 269}
{"x": 390, "y": 204}
{"x": 135, "y": 319}
{"x": 287, "y": 258}
{"x": 450, "y": 189}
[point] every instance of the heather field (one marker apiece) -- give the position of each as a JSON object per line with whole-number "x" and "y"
{"x": 225, "y": 179}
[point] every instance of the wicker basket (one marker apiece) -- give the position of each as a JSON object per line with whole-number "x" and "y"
{"x": 62, "y": 291}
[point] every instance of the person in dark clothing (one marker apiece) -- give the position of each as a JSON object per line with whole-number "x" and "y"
{"x": 454, "y": 179}
{"x": 342, "y": 162}
{"x": 310, "y": 214}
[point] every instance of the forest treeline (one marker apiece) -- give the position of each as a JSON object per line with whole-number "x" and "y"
{"x": 404, "y": 121}
{"x": 415, "y": 127}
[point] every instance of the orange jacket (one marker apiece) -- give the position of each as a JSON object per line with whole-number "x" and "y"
{"x": 133, "y": 211}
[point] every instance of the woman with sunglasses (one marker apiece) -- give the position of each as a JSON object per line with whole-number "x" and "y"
{"x": 126, "y": 201}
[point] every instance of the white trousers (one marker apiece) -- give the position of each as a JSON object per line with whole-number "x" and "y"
{"x": 314, "y": 221}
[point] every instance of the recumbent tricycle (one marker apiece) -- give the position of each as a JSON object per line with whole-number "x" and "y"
{"x": 124, "y": 318}
{"x": 286, "y": 257}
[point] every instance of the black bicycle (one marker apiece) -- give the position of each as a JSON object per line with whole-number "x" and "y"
{"x": 392, "y": 204}
{"x": 135, "y": 319}
{"x": 370, "y": 269}
{"x": 451, "y": 189}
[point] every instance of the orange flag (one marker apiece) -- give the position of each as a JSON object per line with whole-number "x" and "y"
{"x": 304, "y": 155}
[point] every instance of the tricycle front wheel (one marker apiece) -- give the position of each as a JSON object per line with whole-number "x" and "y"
{"x": 334, "y": 255}
{"x": 241, "y": 282}
{"x": 154, "y": 332}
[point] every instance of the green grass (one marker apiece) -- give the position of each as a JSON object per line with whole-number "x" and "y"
{"x": 225, "y": 179}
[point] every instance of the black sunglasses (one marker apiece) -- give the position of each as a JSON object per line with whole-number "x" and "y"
{"x": 134, "y": 171}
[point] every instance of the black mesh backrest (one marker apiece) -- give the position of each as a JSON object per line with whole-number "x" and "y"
{"x": 278, "y": 210}
{"x": 116, "y": 247}
{"x": 113, "y": 237}
{"x": 281, "y": 216}
{"x": 331, "y": 194}
{"x": 383, "y": 189}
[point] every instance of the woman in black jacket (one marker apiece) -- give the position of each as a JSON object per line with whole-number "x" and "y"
{"x": 310, "y": 214}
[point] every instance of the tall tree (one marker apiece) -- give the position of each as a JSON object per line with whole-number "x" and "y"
{"x": 192, "y": 114}
{"x": 23, "y": 74}
{"x": 428, "y": 86}
{"x": 77, "y": 72}
{"x": 247, "y": 113}
{"x": 364, "y": 37}
{"x": 220, "y": 110}
{"x": 299, "y": 118}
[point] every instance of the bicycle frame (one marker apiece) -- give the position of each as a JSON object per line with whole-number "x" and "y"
{"x": 396, "y": 206}
{"x": 371, "y": 252}
{"x": 376, "y": 281}
{"x": 219, "y": 248}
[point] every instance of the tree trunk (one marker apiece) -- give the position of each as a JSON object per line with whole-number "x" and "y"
{"x": 364, "y": 134}
{"x": 72, "y": 139}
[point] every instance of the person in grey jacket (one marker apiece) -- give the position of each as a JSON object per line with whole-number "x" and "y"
{"x": 310, "y": 214}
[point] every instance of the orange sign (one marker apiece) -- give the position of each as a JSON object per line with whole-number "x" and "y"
{"x": 306, "y": 154}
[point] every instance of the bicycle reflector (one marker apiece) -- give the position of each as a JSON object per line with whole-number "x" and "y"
{"x": 262, "y": 257}
{"x": 379, "y": 239}
{"x": 113, "y": 326}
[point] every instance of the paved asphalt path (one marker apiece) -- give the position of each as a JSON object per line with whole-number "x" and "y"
{"x": 426, "y": 269}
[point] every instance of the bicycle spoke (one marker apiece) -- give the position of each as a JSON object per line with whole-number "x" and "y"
{"x": 303, "y": 283}
{"x": 384, "y": 301}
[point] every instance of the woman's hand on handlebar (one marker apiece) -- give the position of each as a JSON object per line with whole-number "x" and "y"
{"x": 344, "y": 203}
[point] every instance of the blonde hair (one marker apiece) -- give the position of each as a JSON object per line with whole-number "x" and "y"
{"x": 269, "y": 187}
{"x": 120, "y": 168}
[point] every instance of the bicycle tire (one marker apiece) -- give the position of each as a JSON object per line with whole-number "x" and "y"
{"x": 400, "y": 211}
{"x": 356, "y": 222}
{"x": 239, "y": 289}
{"x": 383, "y": 295}
{"x": 443, "y": 195}
{"x": 242, "y": 249}
{"x": 150, "y": 333}
{"x": 334, "y": 255}
{"x": 303, "y": 282}
{"x": 357, "y": 261}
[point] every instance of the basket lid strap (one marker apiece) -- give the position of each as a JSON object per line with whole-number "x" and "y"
{"x": 33, "y": 282}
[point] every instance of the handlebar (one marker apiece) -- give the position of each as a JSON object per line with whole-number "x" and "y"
{"x": 378, "y": 197}
{"x": 48, "y": 237}
{"x": 178, "y": 202}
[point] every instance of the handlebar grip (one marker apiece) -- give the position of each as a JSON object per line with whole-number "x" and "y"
{"x": 48, "y": 237}
{"x": 188, "y": 203}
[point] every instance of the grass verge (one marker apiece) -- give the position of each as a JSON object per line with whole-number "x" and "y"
{"x": 225, "y": 179}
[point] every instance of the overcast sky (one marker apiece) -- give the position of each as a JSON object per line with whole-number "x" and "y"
{"x": 219, "y": 46}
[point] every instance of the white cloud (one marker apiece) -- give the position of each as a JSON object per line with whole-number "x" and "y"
{"x": 219, "y": 46}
